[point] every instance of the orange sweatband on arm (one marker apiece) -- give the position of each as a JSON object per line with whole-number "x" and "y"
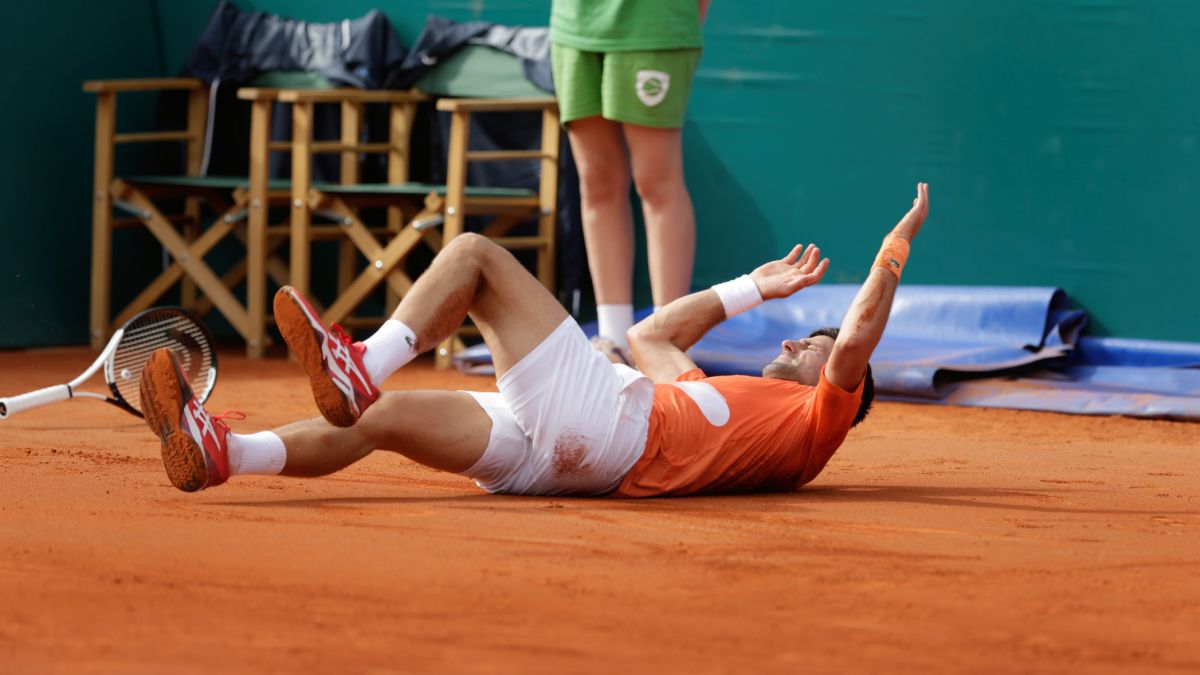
{"x": 892, "y": 255}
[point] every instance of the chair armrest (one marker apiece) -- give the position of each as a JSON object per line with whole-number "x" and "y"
{"x": 351, "y": 96}
{"x": 259, "y": 93}
{"x": 150, "y": 84}
{"x": 496, "y": 104}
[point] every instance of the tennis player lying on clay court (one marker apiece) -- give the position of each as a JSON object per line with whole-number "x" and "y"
{"x": 566, "y": 421}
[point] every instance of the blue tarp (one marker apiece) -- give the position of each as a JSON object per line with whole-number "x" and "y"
{"x": 931, "y": 329}
{"x": 982, "y": 346}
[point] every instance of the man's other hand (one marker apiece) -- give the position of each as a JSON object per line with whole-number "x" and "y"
{"x": 910, "y": 224}
{"x": 781, "y": 278}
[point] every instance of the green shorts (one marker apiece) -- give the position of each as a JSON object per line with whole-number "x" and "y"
{"x": 646, "y": 88}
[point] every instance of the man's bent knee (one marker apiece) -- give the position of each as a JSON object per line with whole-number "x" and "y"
{"x": 472, "y": 247}
{"x": 476, "y": 251}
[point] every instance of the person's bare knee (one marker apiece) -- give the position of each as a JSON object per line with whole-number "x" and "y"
{"x": 497, "y": 266}
{"x": 498, "y": 290}
{"x": 657, "y": 159}
{"x": 512, "y": 309}
{"x": 604, "y": 181}
{"x": 511, "y": 297}
{"x": 446, "y": 430}
{"x": 470, "y": 249}
{"x": 380, "y": 419}
{"x": 660, "y": 189}
{"x": 659, "y": 179}
{"x": 478, "y": 255}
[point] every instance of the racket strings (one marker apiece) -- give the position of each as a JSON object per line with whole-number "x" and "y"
{"x": 165, "y": 328}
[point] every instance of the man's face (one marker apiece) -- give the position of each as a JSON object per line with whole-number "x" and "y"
{"x": 800, "y": 360}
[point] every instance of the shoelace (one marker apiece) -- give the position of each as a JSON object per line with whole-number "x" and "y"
{"x": 341, "y": 334}
{"x": 236, "y": 415}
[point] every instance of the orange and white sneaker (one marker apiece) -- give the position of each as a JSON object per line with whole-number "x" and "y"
{"x": 195, "y": 445}
{"x": 334, "y": 362}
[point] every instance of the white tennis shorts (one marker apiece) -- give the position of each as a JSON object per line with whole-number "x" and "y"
{"x": 566, "y": 421}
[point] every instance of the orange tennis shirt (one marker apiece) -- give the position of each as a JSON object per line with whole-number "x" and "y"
{"x": 739, "y": 434}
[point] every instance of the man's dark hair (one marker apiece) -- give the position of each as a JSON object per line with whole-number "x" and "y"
{"x": 868, "y": 393}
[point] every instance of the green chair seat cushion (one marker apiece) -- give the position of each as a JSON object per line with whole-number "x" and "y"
{"x": 204, "y": 182}
{"x": 292, "y": 79}
{"x": 476, "y": 71}
{"x": 234, "y": 182}
{"x": 417, "y": 189}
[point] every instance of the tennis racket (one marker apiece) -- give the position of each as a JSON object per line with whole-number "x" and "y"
{"x": 126, "y": 355}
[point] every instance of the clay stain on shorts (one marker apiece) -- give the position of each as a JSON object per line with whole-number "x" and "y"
{"x": 569, "y": 450}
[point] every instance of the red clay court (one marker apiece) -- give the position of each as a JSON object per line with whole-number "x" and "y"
{"x": 938, "y": 539}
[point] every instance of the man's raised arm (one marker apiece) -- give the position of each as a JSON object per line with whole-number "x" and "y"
{"x": 868, "y": 315}
{"x": 659, "y": 341}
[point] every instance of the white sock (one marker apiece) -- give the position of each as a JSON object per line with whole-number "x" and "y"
{"x": 262, "y": 453}
{"x": 388, "y": 350}
{"x": 614, "y": 321}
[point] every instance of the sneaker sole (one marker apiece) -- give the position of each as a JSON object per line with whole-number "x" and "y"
{"x": 164, "y": 391}
{"x": 292, "y": 317}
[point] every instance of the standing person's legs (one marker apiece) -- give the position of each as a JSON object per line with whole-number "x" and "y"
{"x": 603, "y": 163}
{"x": 600, "y": 156}
{"x": 657, "y": 157}
{"x": 648, "y": 91}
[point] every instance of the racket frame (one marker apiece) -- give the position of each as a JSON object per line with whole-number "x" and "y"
{"x": 11, "y": 405}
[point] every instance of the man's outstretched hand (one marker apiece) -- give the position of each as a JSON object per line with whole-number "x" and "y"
{"x": 781, "y": 278}
{"x": 910, "y": 224}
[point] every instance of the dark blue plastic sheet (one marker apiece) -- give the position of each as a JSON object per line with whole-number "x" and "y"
{"x": 977, "y": 346}
{"x": 1125, "y": 352}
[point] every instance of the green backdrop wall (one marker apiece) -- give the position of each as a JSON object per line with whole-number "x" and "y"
{"x": 1060, "y": 140}
{"x": 46, "y": 137}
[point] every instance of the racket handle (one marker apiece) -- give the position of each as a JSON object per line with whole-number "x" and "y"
{"x": 34, "y": 399}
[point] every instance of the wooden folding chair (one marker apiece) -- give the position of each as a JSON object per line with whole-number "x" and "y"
{"x": 355, "y": 236}
{"x": 463, "y": 201}
{"x": 426, "y": 206}
{"x": 241, "y": 205}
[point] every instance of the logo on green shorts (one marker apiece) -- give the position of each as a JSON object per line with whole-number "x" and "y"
{"x": 652, "y": 86}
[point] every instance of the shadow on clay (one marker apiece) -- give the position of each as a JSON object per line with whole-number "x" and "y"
{"x": 966, "y": 497}
{"x": 318, "y": 502}
{"x": 758, "y": 503}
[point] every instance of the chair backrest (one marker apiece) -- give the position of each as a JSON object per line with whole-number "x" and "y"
{"x": 496, "y": 130}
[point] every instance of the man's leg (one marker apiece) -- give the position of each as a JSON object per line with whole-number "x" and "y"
{"x": 562, "y": 403}
{"x": 444, "y": 430}
{"x": 474, "y": 276}
{"x": 513, "y": 311}
{"x": 600, "y": 156}
{"x": 441, "y": 429}
{"x": 657, "y": 158}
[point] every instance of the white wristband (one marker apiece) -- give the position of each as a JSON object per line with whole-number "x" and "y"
{"x": 738, "y": 295}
